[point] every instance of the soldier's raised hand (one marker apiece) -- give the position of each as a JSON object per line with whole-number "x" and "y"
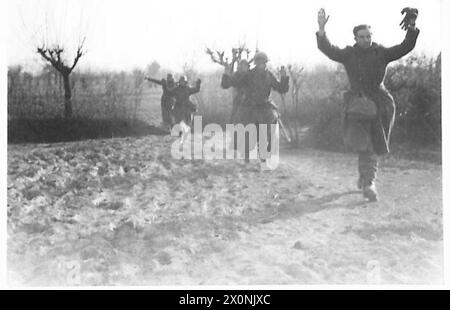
{"x": 410, "y": 17}
{"x": 322, "y": 19}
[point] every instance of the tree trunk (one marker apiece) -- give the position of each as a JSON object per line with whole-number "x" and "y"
{"x": 67, "y": 97}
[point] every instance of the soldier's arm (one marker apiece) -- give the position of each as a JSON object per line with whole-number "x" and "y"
{"x": 281, "y": 86}
{"x": 164, "y": 85}
{"x": 225, "y": 83}
{"x": 159, "y": 82}
{"x": 400, "y": 50}
{"x": 196, "y": 89}
{"x": 331, "y": 51}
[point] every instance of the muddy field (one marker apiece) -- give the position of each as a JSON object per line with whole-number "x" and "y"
{"x": 123, "y": 212}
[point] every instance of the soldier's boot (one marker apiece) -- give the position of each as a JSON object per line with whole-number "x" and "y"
{"x": 360, "y": 183}
{"x": 370, "y": 192}
{"x": 368, "y": 166}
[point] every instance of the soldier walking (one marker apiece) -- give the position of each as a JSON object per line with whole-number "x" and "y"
{"x": 183, "y": 108}
{"x": 257, "y": 107}
{"x": 239, "y": 94}
{"x": 369, "y": 109}
{"x": 167, "y": 99}
{"x": 239, "y": 97}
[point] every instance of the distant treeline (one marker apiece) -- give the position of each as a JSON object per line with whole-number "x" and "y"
{"x": 94, "y": 95}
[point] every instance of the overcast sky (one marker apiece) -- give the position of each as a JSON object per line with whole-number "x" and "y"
{"x": 125, "y": 34}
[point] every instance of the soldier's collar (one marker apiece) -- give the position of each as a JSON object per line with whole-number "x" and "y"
{"x": 370, "y": 48}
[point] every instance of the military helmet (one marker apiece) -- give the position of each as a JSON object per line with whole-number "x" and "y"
{"x": 243, "y": 65}
{"x": 243, "y": 62}
{"x": 261, "y": 57}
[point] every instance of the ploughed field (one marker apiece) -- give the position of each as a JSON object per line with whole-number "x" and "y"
{"x": 122, "y": 211}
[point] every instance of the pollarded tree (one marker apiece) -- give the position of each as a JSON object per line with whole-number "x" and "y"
{"x": 237, "y": 54}
{"x": 53, "y": 55}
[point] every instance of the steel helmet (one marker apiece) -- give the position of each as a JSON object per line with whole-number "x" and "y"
{"x": 261, "y": 57}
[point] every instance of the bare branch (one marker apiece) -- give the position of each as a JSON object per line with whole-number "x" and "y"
{"x": 217, "y": 59}
{"x": 43, "y": 52}
{"x": 79, "y": 54}
{"x": 47, "y": 55}
{"x": 58, "y": 50}
{"x": 221, "y": 55}
{"x": 237, "y": 54}
{"x": 295, "y": 74}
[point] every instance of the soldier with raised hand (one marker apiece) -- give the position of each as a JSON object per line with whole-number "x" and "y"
{"x": 239, "y": 93}
{"x": 167, "y": 99}
{"x": 183, "y": 108}
{"x": 369, "y": 109}
{"x": 239, "y": 98}
{"x": 258, "y": 107}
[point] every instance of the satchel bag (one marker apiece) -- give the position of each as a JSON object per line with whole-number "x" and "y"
{"x": 361, "y": 108}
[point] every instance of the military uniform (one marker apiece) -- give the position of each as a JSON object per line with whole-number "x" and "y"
{"x": 167, "y": 99}
{"x": 256, "y": 107}
{"x": 366, "y": 68}
{"x": 238, "y": 108}
{"x": 238, "y": 96}
{"x": 183, "y": 107}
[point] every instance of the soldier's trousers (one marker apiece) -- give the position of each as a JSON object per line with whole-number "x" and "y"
{"x": 183, "y": 112}
{"x": 358, "y": 138}
{"x": 166, "y": 109}
{"x": 234, "y": 111}
{"x": 368, "y": 167}
{"x": 257, "y": 115}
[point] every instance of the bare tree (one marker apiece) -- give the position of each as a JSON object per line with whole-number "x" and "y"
{"x": 237, "y": 54}
{"x": 53, "y": 55}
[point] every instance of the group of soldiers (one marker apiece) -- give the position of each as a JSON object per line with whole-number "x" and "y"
{"x": 368, "y": 112}
{"x": 176, "y": 105}
{"x": 252, "y": 103}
